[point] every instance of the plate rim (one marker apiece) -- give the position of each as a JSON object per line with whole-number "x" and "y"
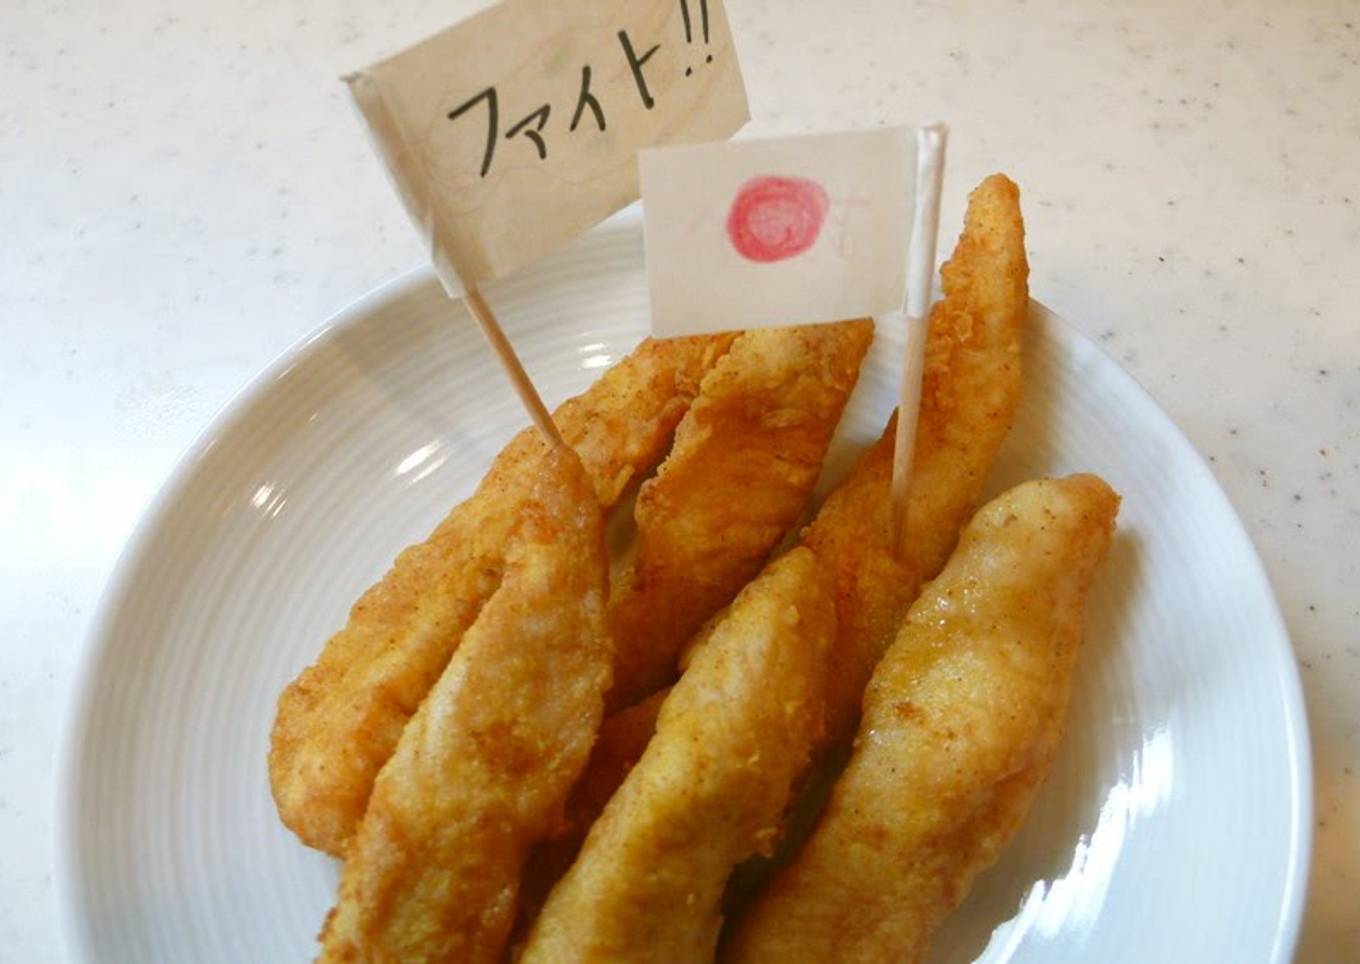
{"x": 75, "y": 939}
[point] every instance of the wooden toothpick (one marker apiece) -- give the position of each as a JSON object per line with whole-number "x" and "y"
{"x": 524, "y": 388}
{"x": 416, "y": 197}
{"x": 930, "y": 146}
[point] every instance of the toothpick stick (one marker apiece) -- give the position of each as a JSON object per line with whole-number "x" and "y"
{"x": 491, "y": 328}
{"x": 413, "y": 190}
{"x": 930, "y": 144}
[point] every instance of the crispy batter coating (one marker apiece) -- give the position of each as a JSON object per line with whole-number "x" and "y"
{"x": 482, "y": 770}
{"x": 710, "y": 789}
{"x": 969, "y": 397}
{"x": 623, "y": 738}
{"x": 745, "y": 459}
{"x": 622, "y": 425}
{"x": 339, "y": 721}
{"x": 960, "y": 722}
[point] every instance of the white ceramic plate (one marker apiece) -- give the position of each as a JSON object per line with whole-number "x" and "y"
{"x": 1175, "y": 825}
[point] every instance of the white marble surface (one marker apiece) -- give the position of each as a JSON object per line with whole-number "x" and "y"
{"x": 185, "y": 192}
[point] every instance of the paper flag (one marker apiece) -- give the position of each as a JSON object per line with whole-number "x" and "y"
{"x": 778, "y": 232}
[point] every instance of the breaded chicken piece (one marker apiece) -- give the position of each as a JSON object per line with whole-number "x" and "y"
{"x": 339, "y": 721}
{"x": 745, "y": 459}
{"x": 622, "y": 741}
{"x": 969, "y": 397}
{"x": 622, "y": 425}
{"x": 960, "y": 723}
{"x": 483, "y": 769}
{"x": 710, "y": 789}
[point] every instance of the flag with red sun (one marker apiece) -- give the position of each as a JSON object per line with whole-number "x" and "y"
{"x": 788, "y": 231}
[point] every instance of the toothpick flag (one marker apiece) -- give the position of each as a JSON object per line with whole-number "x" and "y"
{"x": 778, "y": 232}
{"x": 930, "y": 141}
{"x": 800, "y": 230}
{"x": 517, "y": 129}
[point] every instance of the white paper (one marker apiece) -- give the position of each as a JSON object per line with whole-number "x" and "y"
{"x": 778, "y": 232}
{"x": 517, "y": 129}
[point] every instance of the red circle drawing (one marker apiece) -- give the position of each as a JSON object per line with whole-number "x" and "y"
{"x": 773, "y": 217}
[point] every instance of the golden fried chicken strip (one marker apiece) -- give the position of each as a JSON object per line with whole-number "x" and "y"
{"x": 710, "y": 789}
{"x": 960, "y": 722}
{"x": 622, "y": 741}
{"x": 339, "y": 721}
{"x": 483, "y": 769}
{"x": 969, "y": 397}
{"x": 622, "y": 425}
{"x": 745, "y": 459}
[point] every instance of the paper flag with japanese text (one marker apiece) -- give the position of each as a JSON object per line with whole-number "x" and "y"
{"x": 778, "y": 232}
{"x": 512, "y": 132}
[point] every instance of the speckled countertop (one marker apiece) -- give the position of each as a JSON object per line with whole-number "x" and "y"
{"x": 184, "y": 191}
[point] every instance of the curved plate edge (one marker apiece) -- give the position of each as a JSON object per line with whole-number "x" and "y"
{"x": 76, "y": 942}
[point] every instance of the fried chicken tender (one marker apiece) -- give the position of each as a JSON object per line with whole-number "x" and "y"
{"x": 622, "y": 741}
{"x": 339, "y": 721}
{"x": 960, "y": 723}
{"x": 710, "y": 789}
{"x": 969, "y": 397}
{"x": 745, "y": 459}
{"x": 483, "y": 768}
